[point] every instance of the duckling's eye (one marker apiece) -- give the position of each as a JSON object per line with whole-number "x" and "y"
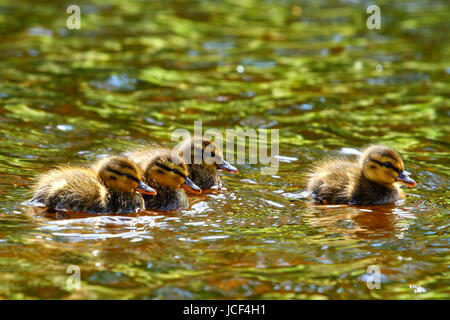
{"x": 213, "y": 154}
{"x": 113, "y": 177}
{"x": 388, "y": 164}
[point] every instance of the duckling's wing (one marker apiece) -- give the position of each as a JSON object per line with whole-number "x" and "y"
{"x": 330, "y": 180}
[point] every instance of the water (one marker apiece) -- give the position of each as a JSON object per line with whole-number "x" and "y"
{"x": 138, "y": 70}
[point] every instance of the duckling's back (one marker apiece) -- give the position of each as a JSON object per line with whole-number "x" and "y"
{"x": 74, "y": 189}
{"x": 331, "y": 181}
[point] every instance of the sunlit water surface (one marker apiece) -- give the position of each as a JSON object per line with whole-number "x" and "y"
{"x": 138, "y": 70}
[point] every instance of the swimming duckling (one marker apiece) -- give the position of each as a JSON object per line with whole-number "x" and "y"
{"x": 370, "y": 180}
{"x": 203, "y": 158}
{"x": 166, "y": 172}
{"x": 112, "y": 185}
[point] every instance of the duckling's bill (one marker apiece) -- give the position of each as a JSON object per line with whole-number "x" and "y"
{"x": 227, "y": 167}
{"x": 191, "y": 186}
{"x": 145, "y": 189}
{"x": 405, "y": 179}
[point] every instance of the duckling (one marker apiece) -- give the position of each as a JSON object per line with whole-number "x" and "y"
{"x": 204, "y": 157}
{"x": 166, "y": 172}
{"x": 112, "y": 185}
{"x": 370, "y": 180}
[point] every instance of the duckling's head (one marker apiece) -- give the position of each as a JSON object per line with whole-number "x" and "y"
{"x": 169, "y": 170}
{"x": 384, "y": 166}
{"x": 206, "y": 153}
{"x": 122, "y": 174}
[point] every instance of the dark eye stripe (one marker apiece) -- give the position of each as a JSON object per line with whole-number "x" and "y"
{"x": 114, "y": 171}
{"x": 382, "y": 164}
{"x": 170, "y": 169}
{"x": 131, "y": 177}
{"x": 124, "y": 174}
